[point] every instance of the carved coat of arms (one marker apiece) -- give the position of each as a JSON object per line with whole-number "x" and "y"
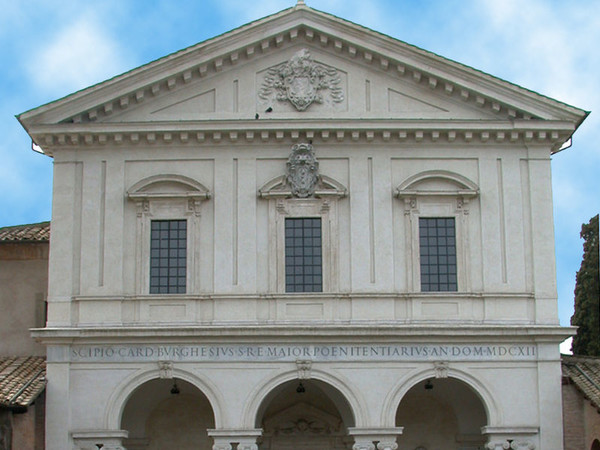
{"x": 301, "y": 81}
{"x": 302, "y": 170}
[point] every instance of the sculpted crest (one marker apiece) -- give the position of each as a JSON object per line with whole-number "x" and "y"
{"x": 302, "y": 82}
{"x": 302, "y": 170}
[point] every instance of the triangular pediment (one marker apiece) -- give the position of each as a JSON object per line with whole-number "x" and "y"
{"x": 353, "y": 90}
{"x": 249, "y": 74}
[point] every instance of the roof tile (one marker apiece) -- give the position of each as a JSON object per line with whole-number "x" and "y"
{"x": 35, "y": 232}
{"x": 584, "y": 372}
{"x": 22, "y": 380}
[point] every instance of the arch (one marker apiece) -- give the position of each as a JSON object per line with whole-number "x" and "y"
{"x": 123, "y": 392}
{"x": 393, "y": 400}
{"x": 356, "y": 403}
{"x": 456, "y": 184}
{"x": 168, "y": 186}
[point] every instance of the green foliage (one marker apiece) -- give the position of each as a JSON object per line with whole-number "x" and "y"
{"x": 587, "y": 295}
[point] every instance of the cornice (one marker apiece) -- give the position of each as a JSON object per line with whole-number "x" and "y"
{"x": 227, "y": 132}
{"x": 376, "y": 331}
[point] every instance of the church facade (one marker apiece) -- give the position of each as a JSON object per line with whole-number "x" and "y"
{"x": 302, "y": 234}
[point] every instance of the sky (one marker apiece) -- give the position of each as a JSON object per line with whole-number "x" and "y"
{"x": 49, "y": 49}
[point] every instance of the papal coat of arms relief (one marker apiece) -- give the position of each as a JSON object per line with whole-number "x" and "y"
{"x": 302, "y": 170}
{"x": 302, "y": 82}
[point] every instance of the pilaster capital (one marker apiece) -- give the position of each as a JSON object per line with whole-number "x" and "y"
{"x": 99, "y": 439}
{"x": 365, "y": 438}
{"x": 363, "y": 445}
{"x": 387, "y": 444}
{"x": 246, "y": 438}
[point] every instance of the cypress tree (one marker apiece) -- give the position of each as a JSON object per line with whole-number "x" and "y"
{"x": 587, "y": 295}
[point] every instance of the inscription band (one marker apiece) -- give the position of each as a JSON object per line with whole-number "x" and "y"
{"x": 291, "y": 352}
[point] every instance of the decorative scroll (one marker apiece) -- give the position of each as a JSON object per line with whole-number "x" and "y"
{"x": 301, "y": 81}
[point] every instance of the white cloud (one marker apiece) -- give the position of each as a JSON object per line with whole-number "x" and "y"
{"x": 565, "y": 347}
{"x": 550, "y": 48}
{"x": 79, "y": 55}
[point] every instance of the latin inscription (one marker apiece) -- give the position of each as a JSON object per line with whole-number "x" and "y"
{"x": 328, "y": 352}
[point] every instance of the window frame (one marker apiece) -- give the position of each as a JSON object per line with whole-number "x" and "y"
{"x": 437, "y": 193}
{"x": 303, "y": 208}
{"x": 323, "y": 204}
{"x": 167, "y": 197}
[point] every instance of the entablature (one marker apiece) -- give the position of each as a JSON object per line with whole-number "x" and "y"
{"x": 544, "y": 133}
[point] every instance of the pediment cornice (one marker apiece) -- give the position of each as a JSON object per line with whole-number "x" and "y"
{"x": 302, "y": 24}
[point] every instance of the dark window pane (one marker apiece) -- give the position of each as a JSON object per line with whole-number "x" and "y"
{"x": 168, "y": 258}
{"x": 438, "y": 254}
{"x": 303, "y": 262}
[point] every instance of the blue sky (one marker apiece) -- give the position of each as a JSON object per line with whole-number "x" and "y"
{"x": 52, "y": 48}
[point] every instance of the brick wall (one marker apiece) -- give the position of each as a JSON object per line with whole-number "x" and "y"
{"x": 592, "y": 425}
{"x": 573, "y": 419}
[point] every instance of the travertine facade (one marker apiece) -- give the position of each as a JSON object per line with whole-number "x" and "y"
{"x": 227, "y": 145}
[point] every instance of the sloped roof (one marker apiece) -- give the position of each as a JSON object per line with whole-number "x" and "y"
{"x": 35, "y": 232}
{"x": 22, "y": 380}
{"x": 584, "y": 372}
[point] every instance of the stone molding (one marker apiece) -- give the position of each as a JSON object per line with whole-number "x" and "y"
{"x": 245, "y": 438}
{"x": 254, "y": 332}
{"x": 380, "y": 132}
{"x": 365, "y": 438}
{"x": 279, "y": 188}
{"x": 514, "y": 438}
{"x": 99, "y": 439}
